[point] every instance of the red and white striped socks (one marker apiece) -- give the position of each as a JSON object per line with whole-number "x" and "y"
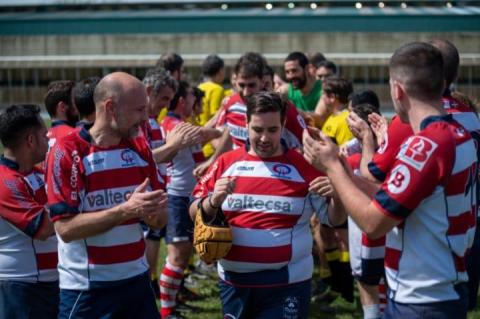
{"x": 170, "y": 281}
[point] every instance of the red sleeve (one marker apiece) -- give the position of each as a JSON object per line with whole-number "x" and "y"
{"x": 206, "y": 184}
{"x": 422, "y": 164}
{"x": 18, "y": 205}
{"x": 64, "y": 181}
{"x": 222, "y": 117}
{"x": 383, "y": 160}
{"x": 294, "y": 123}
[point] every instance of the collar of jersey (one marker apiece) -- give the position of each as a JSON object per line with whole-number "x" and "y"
{"x": 172, "y": 114}
{"x": 9, "y": 163}
{"x": 59, "y": 122}
{"x": 435, "y": 118}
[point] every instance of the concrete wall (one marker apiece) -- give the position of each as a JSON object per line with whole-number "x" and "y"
{"x": 226, "y": 43}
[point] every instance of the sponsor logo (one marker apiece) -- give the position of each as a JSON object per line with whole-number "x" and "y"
{"x": 399, "y": 179}
{"x": 16, "y": 193}
{"x": 245, "y": 168}
{"x": 107, "y": 198}
{"x": 96, "y": 161}
{"x": 290, "y": 308}
{"x": 281, "y": 170}
{"x": 250, "y": 202}
{"x": 238, "y": 132}
{"x": 74, "y": 174}
{"x": 416, "y": 151}
{"x": 128, "y": 158}
{"x": 57, "y": 171}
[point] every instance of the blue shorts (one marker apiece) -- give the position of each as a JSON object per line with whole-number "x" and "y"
{"x": 133, "y": 299}
{"x": 153, "y": 234}
{"x": 22, "y": 300}
{"x": 434, "y": 310}
{"x": 179, "y": 225}
{"x": 289, "y": 301}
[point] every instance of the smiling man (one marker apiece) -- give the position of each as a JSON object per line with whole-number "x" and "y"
{"x": 262, "y": 189}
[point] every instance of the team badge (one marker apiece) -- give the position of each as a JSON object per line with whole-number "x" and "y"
{"x": 399, "y": 179}
{"x": 416, "y": 151}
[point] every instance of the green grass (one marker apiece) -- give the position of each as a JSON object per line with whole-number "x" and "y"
{"x": 209, "y": 307}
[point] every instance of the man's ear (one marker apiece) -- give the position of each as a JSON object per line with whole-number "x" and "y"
{"x": 61, "y": 108}
{"x": 30, "y": 139}
{"x": 398, "y": 90}
{"x": 149, "y": 89}
{"x": 110, "y": 107}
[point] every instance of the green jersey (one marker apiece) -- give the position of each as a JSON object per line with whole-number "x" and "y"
{"x": 307, "y": 102}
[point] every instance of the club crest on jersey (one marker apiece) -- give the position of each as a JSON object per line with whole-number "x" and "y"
{"x": 416, "y": 151}
{"x": 128, "y": 158}
{"x": 399, "y": 179}
{"x": 281, "y": 170}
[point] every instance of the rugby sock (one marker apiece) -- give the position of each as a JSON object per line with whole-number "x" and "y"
{"x": 346, "y": 278}
{"x": 333, "y": 258}
{"x": 382, "y": 295}
{"x": 170, "y": 281}
{"x": 371, "y": 311}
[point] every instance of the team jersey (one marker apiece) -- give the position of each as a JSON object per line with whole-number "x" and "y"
{"x": 366, "y": 255}
{"x": 336, "y": 127}
{"x": 432, "y": 191}
{"x": 269, "y": 214}
{"x": 306, "y": 103}
{"x": 85, "y": 178}
{"x": 22, "y": 215}
{"x": 58, "y": 130}
{"x": 234, "y": 117}
{"x": 155, "y": 137}
{"x": 180, "y": 179}
{"x": 398, "y": 132}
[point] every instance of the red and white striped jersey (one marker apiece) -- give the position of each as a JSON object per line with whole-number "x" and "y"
{"x": 234, "y": 116}
{"x": 84, "y": 178}
{"x": 432, "y": 191}
{"x": 155, "y": 137}
{"x": 269, "y": 213}
{"x": 58, "y": 130}
{"x": 180, "y": 179}
{"x": 22, "y": 215}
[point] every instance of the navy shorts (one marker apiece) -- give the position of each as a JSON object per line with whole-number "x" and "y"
{"x": 288, "y": 302}
{"x": 134, "y": 298}
{"x": 22, "y": 300}
{"x": 473, "y": 269}
{"x": 153, "y": 234}
{"x": 179, "y": 225}
{"x": 434, "y": 310}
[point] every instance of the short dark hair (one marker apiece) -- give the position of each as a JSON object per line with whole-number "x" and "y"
{"x": 264, "y": 102}
{"x": 170, "y": 61}
{"x": 58, "y": 91}
{"x": 251, "y": 64}
{"x": 158, "y": 78}
{"x": 365, "y": 109}
{"x": 451, "y": 59}
{"x": 338, "y": 86}
{"x": 83, "y": 95}
{"x": 16, "y": 121}
{"x": 212, "y": 65}
{"x": 181, "y": 92}
{"x": 364, "y": 96}
{"x": 316, "y": 58}
{"x": 419, "y": 67}
{"x": 298, "y": 56}
{"x": 199, "y": 94}
{"x": 268, "y": 71}
{"x": 327, "y": 64}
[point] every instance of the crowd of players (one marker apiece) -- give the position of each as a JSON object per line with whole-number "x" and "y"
{"x": 300, "y": 166}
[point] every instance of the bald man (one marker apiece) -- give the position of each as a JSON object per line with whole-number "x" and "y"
{"x": 101, "y": 183}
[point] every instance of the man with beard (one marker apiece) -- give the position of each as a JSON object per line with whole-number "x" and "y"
{"x": 262, "y": 189}
{"x": 63, "y": 113}
{"x": 101, "y": 184}
{"x": 249, "y": 71}
{"x": 303, "y": 90}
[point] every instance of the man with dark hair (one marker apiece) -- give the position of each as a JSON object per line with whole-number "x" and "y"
{"x": 268, "y": 75}
{"x": 213, "y": 69}
{"x": 426, "y": 204}
{"x": 102, "y": 183}
{"x": 364, "y": 96}
{"x": 303, "y": 89}
{"x": 63, "y": 113}
{"x": 83, "y": 99}
{"x": 249, "y": 78}
{"x": 179, "y": 229}
{"x": 173, "y": 63}
{"x": 267, "y": 272}
{"x": 28, "y": 248}
{"x": 324, "y": 69}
